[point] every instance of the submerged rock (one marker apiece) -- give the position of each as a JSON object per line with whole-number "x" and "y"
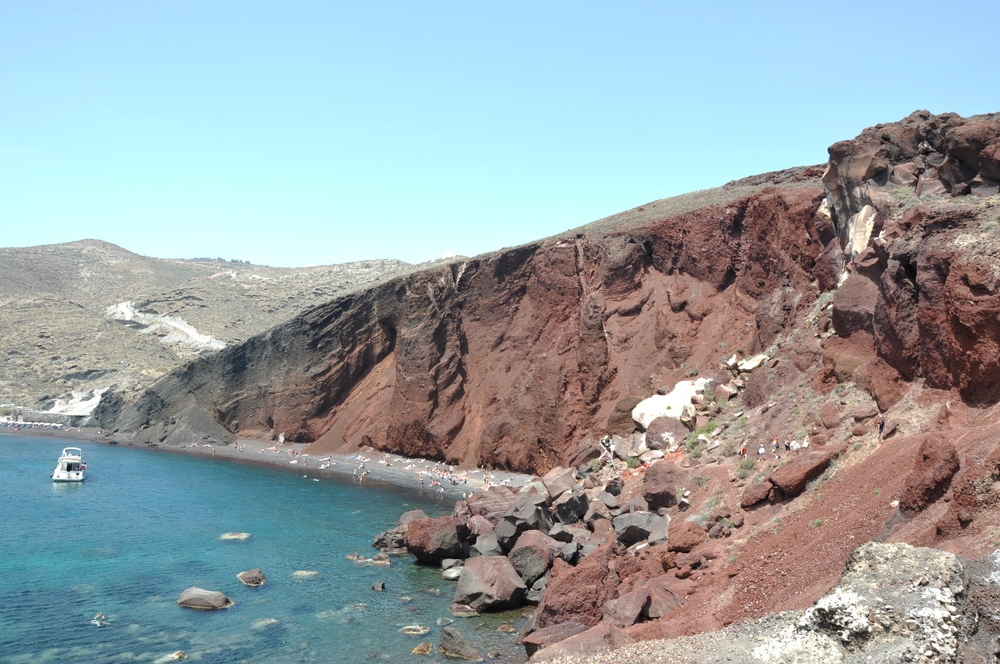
{"x": 452, "y": 644}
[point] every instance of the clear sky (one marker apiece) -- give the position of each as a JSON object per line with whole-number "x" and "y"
{"x": 296, "y": 133}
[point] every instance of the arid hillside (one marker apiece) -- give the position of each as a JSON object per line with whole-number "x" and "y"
{"x": 85, "y": 316}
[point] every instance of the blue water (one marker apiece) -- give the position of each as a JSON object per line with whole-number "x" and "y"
{"x": 146, "y": 525}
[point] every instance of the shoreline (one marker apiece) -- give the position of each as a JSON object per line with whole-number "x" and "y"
{"x": 377, "y": 467}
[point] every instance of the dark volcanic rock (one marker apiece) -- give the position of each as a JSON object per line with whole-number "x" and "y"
{"x": 637, "y": 526}
{"x": 532, "y": 555}
{"x": 660, "y": 484}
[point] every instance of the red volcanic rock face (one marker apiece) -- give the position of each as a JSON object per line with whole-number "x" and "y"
{"x": 510, "y": 359}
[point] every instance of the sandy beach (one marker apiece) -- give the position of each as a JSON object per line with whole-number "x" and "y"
{"x": 367, "y": 466}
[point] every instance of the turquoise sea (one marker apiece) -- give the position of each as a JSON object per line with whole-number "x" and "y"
{"x": 145, "y": 525}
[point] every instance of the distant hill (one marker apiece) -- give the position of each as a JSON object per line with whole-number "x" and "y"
{"x": 67, "y": 329}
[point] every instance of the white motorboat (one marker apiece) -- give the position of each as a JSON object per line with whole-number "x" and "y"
{"x": 70, "y": 466}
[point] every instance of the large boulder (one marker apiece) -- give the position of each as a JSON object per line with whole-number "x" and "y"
{"x": 558, "y": 480}
{"x": 628, "y": 608}
{"x": 754, "y": 493}
{"x": 486, "y": 545}
{"x": 792, "y": 477}
{"x": 664, "y": 433}
{"x": 550, "y": 635}
{"x": 570, "y": 506}
{"x": 432, "y": 540}
{"x": 493, "y": 504}
{"x": 489, "y": 583}
{"x": 579, "y": 593}
{"x": 635, "y": 527}
{"x": 528, "y": 512}
{"x": 663, "y": 598}
{"x": 478, "y": 525}
{"x": 931, "y": 475}
{"x": 603, "y": 638}
{"x": 206, "y": 600}
{"x": 854, "y": 305}
{"x": 660, "y": 484}
{"x": 532, "y": 555}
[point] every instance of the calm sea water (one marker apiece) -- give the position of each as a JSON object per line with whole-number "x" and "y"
{"x": 146, "y": 525}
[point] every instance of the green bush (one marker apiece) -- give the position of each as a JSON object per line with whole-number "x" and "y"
{"x": 596, "y": 464}
{"x": 745, "y": 468}
{"x": 634, "y": 462}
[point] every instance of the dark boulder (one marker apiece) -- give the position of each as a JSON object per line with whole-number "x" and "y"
{"x": 532, "y": 555}
{"x": 636, "y": 526}
{"x": 660, "y": 484}
{"x": 570, "y": 506}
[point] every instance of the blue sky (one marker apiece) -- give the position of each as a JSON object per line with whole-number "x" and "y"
{"x": 299, "y": 133}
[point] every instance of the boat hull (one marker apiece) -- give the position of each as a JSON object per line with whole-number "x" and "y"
{"x": 70, "y": 467}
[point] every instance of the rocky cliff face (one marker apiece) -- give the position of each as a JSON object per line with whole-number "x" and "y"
{"x": 507, "y": 360}
{"x": 510, "y": 359}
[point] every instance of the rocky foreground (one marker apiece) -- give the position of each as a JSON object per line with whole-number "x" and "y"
{"x": 595, "y": 564}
